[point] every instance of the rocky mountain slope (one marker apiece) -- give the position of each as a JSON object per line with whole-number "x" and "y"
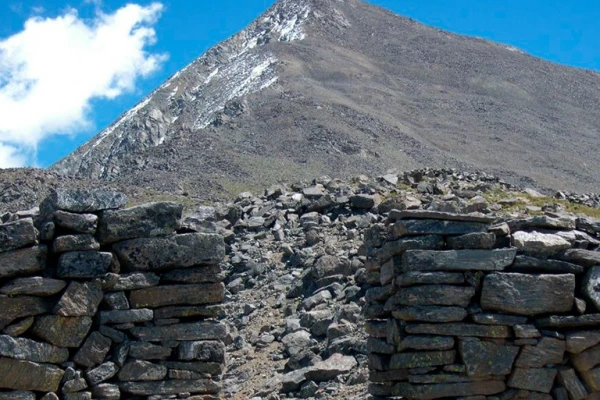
{"x": 342, "y": 88}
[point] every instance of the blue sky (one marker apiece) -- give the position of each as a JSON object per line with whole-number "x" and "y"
{"x": 566, "y": 32}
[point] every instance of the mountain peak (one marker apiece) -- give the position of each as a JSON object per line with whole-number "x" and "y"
{"x": 341, "y": 88}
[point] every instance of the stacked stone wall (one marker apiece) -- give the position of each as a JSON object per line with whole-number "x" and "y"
{"x": 97, "y": 301}
{"x": 466, "y": 306}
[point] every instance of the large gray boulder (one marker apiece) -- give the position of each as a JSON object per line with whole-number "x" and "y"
{"x": 23, "y": 261}
{"x": 62, "y": 331}
{"x": 542, "y": 244}
{"x": 525, "y": 294}
{"x": 84, "y": 264}
{"x": 187, "y": 250}
{"x": 147, "y": 220}
{"x": 30, "y": 350}
{"x": 85, "y": 200}
{"x": 34, "y": 286}
{"x": 17, "y": 234}
{"x": 80, "y": 299}
{"x": 27, "y": 375}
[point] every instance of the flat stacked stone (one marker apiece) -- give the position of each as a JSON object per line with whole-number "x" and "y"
{"x": 458, "y": 313}
{"x": 150, "y": 331}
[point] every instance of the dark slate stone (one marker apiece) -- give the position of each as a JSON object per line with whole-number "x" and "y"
{"x": 132, "y": 281}
{"x": 206, "y": 350}
{"x": 207, "y": 274}
{"x": 18, "y": 395}
{"x": 378, "y": 346}
{"x": 17, "y": 234}
{"x": 559, "y": 321}
{"x": 524, "y": 294}
{"x": 498, "y": 319}
{"x": 430, "y": 278}
{"x": 545, "y": 265}
{"x": 426, "y": 343}
{"x": 80, "y": 299}
{"x": 542, "y": 222}
{"x": 568, "y": 378}
{"x": 398, "y": 247}
{"x": 27, "y": 375}
{"x": 365, "y": 201}
{"x": 79, "y": 242}
{"x": 434, "y": 227}
{"x": 102, "y": 373}
{"x": 587, "y": 258}
{"x": 116, "y": 301}
{"x": 587, "y": 359}
{"x": 592, "y": 379}
{"x": 422, "y": 359}
{"x": 210, "y": 311}
{"x": 139, "y": 370}
{"x": 581, "y": 340}
{"x": 106, "y": 391}
{"x": 149, "y": 351}
{"x": 187, "y": 331}
{"x": 35, "y": 286}
{"x": 198, "y": 367}
{"x": 170, "y": 387}
{"x": 536, "y": 379}
{"x": 460, "y": 329}
{"x": 431, "y": 295}
{"x": 457, "y": 260}
{"x": 548, "y": 351}
{"x": 84, "y": 264}
{"x": 171, "y": 295}
{"x": 476, "y": 354}
{"x": 430, "y": 314}
{"x": 85, "y": 201}
{"x": 23, "y": 262}
{"x": 62, "y": 331}
{"x": 125, "y": 316}
{"x": 30, "y": 350}
{"x": 81, "y": 223}
{"x": 448, "y": 390}
{"x": 148, "y": 220}
{"x": 480, "y": 240}
{"x": 18, "y": 307}
{"x": 188, "y": 250}
{"x": 93, "y": 351}
{"x": 397, "y": 215}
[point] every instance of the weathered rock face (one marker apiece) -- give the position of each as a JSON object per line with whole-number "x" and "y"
{"x": 86, "y": 201}
{"x": 185, "y": 250}
{"x": 23, "y": 262}
{"x": 149, "y": 220}
{"x": 26, "y": 375}
{"x": 17, "y": 234}
{"x": 524, "y": 294}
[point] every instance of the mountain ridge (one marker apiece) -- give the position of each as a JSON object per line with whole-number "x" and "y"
{"x": 360, "y": 90}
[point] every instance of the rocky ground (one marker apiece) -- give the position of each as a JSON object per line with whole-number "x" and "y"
{"x": 297, "y": 278}
{"x": 297, "y": 273}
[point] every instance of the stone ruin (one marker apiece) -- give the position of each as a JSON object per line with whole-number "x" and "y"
{"x": 97, "y": 301}
{"x": 469, "y": 308}
{"x": 102, "y": 302}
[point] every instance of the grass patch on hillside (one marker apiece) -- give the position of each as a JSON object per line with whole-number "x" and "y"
{"x": 525, "y": 199}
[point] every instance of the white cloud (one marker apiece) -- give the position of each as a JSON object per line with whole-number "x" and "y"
{"x": 54, "y": 67}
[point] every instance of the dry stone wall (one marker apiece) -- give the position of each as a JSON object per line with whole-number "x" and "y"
{"x": 97, "y": 301}
{"x": 468, "y": 307}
